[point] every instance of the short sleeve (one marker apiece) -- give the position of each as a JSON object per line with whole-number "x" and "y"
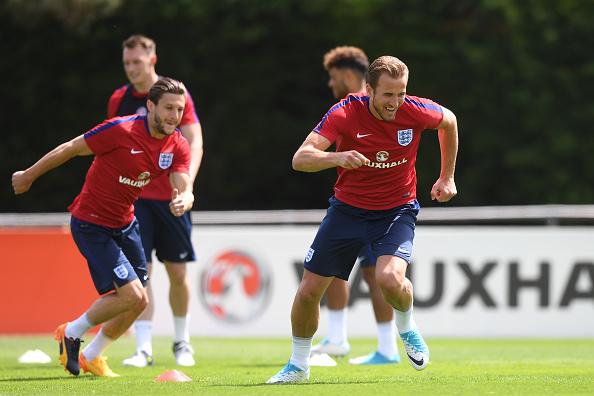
{"x": 104, "y": 137}
{"x": 427, "y": 112}
{"x": 328, "y": 127}
{"x": 181, "y": 156}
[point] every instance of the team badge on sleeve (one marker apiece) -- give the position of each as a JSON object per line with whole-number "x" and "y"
{"x": 405, "y": 136}
{"x": 165, "y": 160}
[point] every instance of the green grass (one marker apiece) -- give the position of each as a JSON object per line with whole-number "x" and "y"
{"x": 241, "y": 366}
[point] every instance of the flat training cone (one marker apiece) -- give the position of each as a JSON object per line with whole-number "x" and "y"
{"x": 173, "y": 376}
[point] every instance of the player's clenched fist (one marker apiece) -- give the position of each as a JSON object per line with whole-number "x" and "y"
{"x": 352, "y": 159}
{"x": 21, "y": 183}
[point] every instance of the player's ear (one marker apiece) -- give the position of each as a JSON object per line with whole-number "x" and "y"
{"x": 153, "y": 59}
{"x": 150, "y": 106}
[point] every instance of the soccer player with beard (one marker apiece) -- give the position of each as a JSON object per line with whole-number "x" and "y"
{"x": 346, "y": 67}
{"x": 377, "y": 136}
{"x": 130, "y": 152}
{"x": 168, "y": 235}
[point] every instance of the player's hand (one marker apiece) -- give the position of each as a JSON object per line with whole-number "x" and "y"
{"x": 351, "y": 159}
{"x": 444, "y": 189}
{"x": 180, "y": 203}
{"x": 21, "y": 182}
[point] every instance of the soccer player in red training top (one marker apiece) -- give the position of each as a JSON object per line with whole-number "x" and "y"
{"x": 169, "y": 235}
{"x": 377, "y": 136}
{"x": 129, "y": 153}
{"x": 346, "y": 68}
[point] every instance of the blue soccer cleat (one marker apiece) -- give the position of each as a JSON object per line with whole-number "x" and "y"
{"x": 375, "y": 358}
{"x": 290, "y": 374}
{"x": 416, "y": 349}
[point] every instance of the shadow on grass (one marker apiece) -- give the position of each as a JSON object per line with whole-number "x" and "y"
{"x": 262, "y": 384}
{"x": 61, "y": 378}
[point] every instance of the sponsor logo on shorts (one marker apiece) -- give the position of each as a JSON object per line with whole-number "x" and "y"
{"x": 309, "y": 255}
{"x": 235, "y": 286}
{"x": 403, "y": 250}
{"x": 121, "y": 271}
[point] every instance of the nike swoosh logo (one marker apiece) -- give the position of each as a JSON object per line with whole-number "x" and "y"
{"x": 415, "y": 361}
{"x": 136, "y": 151}
{"x": 362, "y": 135}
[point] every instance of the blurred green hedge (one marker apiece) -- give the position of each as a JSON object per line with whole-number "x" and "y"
{"x": 518, "y": 74}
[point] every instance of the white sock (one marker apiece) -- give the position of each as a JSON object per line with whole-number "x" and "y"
{"x": 97, "y": 346}
{"x": 143, "y": 331}
{"x": 78, "y": 327}
{"x": 386, "y": 338}
{"x": 337, "y": 325}
{"x": 181, "y": 328}
{"x": 301, "y": 351}
{"x": 405, "y": 321}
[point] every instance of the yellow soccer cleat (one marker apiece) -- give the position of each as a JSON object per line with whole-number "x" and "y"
{"x": 97, "y": 366}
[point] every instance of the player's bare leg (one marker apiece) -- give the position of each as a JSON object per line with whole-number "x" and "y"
{"x": 397, "y": 290}
{"x": 387, "y": 350}
{"x": 305, "y": 316}
{"x": 179, "y": 299}
{"x": 117, "y": 311}
{"x": 336, "y": 342}
{"x": 143, "y": 330}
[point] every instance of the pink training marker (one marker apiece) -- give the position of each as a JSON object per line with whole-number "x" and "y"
{"x": 173, "y": 376}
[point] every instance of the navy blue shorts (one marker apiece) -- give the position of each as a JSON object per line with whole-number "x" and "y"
{"x": 160, "y": 230}
{"x": 346, "y": 230}
{"x": 114, "y": 255}
{"x": 366, "y": 257}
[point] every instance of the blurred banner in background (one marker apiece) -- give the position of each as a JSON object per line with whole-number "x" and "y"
{"x": 470, "y": 280}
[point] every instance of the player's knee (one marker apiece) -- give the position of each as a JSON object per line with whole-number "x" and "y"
{"x": 133, "y": 296}
{"x": 309, "y": 295}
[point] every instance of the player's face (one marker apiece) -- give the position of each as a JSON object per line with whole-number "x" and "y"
{"x": 165, "y": 116}
{"x": 338, "y": 82}
{"x": 138, "y": 65}
{"x": 387, "y": 97}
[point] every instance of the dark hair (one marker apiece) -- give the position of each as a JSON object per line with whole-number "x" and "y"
{"x": 385, "y": 64}
{"x": 165, "y": 85}
{"x": 136, "y": 40}
{"x": 346, "y": 57}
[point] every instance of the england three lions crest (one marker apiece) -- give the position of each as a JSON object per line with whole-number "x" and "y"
{"x": 404, "y": 136}
{"x": 165, "y": 160}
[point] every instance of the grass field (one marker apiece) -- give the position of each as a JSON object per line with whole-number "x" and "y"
{"x": 241, "y": 366}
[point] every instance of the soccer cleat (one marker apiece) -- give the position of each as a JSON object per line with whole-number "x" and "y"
{"x": 325, "y": 346}
{"x": 140, "y": 359}
{"x": 69, "y": 349}
{"x": 183, "y": 352}
{"x": 416, "y": 349}
{"x": 375, "y": 358}
{"x": 97, "y": 366}
{"x": 290, "y": 374}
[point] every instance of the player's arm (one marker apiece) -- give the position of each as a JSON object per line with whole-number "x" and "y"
{"x": 313, "y": 157}
{"x": 193, "y": 134}
{"x": 22, "y": 180}
{"x": 444, "y": 188}
{"x": 182, "y": 197}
